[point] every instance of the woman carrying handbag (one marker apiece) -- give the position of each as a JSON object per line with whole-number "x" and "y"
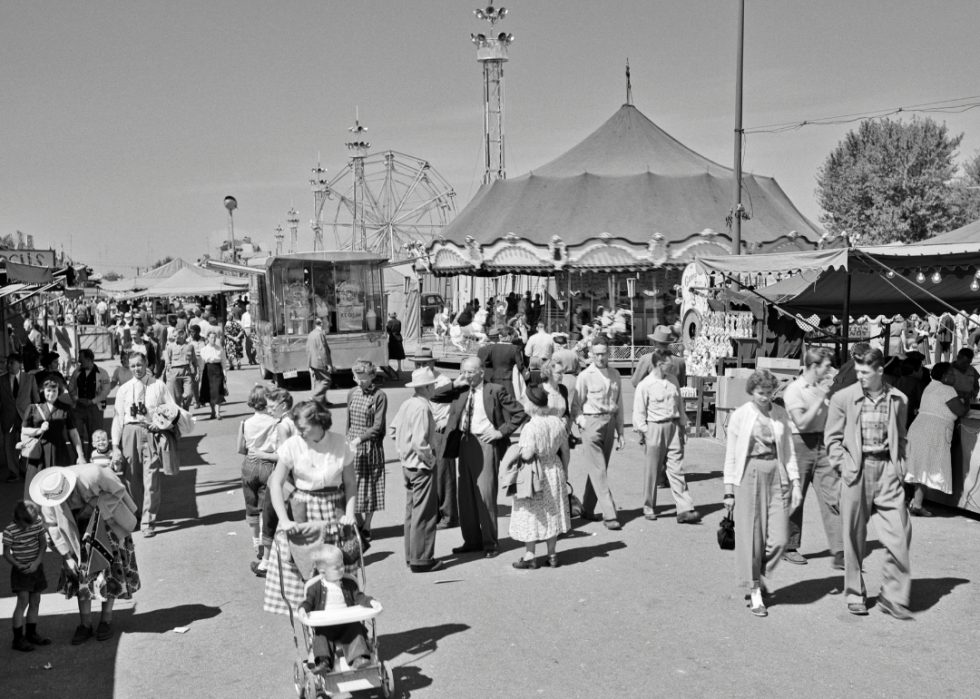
{"x": 762, "y": 486}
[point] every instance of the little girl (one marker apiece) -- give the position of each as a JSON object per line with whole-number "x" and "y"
{"x": 335, "y": 591}
{"x": 257, "y": 442}
{"x": 280, "y": 403}
{"x": 367, "y": 406}
{"x": 24, "y": 543}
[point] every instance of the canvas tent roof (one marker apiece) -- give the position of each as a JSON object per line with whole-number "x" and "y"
{"x": 819, "y": 278}
{"x": 970, "y": 233}
{"x": 154, "y": 276}
{"x": 629, "y": 179}
{"x": 185, "y": 282}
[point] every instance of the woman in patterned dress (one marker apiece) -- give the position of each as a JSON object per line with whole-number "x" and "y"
{"x": 70, "y": 497}
{"x": 367, "y": 406}
{"x": 930, "y": 461}
{"x": 544, "y": 515}
{"x": 321, "y": 465}
{"x": 234, "y": 343}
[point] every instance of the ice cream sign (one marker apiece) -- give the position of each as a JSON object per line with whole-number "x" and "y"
{"x": 350, "y": 307}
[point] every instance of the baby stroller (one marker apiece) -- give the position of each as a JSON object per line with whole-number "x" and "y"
{"x": 342, "y": 679}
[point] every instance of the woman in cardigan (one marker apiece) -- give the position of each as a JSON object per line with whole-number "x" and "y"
{"x": 367, "y": 406}
{"x": 74, "y": 500}
{"x": 213, "y": 387}
{"x": 760, "y": 470}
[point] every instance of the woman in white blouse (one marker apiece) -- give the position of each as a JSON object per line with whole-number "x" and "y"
{"x": 213, "y": 388}
{"x": 321, "y": 464}
{"x": 760, "y": 470}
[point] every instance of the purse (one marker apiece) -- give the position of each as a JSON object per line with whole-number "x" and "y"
{"x": 726, "y": 532}
{"x": 575, "y": 508}
{"x": 30, "y": 447}
{"x": 242, "y": 448}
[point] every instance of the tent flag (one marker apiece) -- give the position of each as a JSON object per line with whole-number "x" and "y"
{"x": 29, "y": 274}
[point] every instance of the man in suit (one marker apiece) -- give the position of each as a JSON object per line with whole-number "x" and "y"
{"x": 482, "y": 417}
{"x": 661, "y": 339}
{"x": 159, "y": 332}
{"x": 18, "y": 391}
{"x": 866, "y": 441}
{"x": 499, "y": 359}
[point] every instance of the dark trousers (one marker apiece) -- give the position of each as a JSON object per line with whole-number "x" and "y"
{"x": 421, "y": 516}
{"x": 255, "y": 479}
{"x": 477, "y": 493}
{"x": 88, "y": 420}
{"x": 445, "y": 479}
{"x": 249, "y": 348}
{"x": 10, "y": 450}
{"x": 815, "y": 468}
{"x": 320, "y": 378}
{"x": 352, "y": 639}
{"x": 597, "y": 444}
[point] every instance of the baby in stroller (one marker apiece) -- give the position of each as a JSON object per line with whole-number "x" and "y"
{"x": 328, "y": 591}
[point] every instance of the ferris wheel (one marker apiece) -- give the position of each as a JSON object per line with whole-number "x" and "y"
{"x": 386, "y": 203}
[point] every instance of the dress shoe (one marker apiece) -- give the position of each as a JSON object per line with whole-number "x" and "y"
{"x": 104, "y": 632}
{"x": 442, "y": 525}
{"x": 149, "y": 533}
{"x": 794, "y": 557}
{"x": 894, "y": 609}
{"x": 428, "y": 568}
{"x": 858, "y": 609}
{"x": 259, "y": 572}
{"x": 650, "y": 516}
{"x": 919, "y": 512}
{"x": 613, "y": 524}
{"x": 491, "y": 553}
{"x": 760, "y": 610}
{"x": 689, "y": 517}
{"x": 467, "y": 549}
{"x": 82, "y": 634}
{"x": 591, "y": 516}
{"x": 838, "y": 563}
{"x": 526, "y": 564}
{"x": 553, "y": 561}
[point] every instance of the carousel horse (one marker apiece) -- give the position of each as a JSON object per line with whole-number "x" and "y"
{"x": 458, "y": 334}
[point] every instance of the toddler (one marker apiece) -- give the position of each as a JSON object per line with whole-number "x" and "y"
{"x": 333, "y": 590}
{"x": 101, "y": 453}
{"x": 257, "y": 443}
{"x": 24, "y": 543}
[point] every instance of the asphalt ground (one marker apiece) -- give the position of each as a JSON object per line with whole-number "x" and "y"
{"x": 650, "y": 611}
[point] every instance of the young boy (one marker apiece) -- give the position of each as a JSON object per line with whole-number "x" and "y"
{"x": 101, "y": 452}
{"x": 24, "y": 543}
{"x": 335, "y": 591}
{"x": 280, "y": 403}
{"x": 257, "y": 442}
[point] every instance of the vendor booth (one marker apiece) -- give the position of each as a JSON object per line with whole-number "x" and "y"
{"x": 889, "y": 280}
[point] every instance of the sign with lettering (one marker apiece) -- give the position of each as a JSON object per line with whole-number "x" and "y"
{"x": 38, "y": 258}
{"x": 350, "y": 318}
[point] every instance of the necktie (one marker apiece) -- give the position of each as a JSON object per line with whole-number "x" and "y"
{"x": 468, "y": 412}
{"x": 16, "y": 386}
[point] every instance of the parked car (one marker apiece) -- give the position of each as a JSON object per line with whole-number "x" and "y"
{"x": 431, "y": 304}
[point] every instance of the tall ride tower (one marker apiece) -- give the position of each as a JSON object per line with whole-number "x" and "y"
{"x": 491, "y": 51}
{"x": 358, "y": 149}
{"x": 293, "y": 221}
{"x": 320, "y": 193}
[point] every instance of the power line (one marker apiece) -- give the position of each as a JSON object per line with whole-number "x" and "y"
{"x": 950, "y": 106}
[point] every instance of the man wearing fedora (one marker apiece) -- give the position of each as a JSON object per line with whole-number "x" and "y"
{"x": 500, "y": 358}
{"x": 445, "y": 470}
{"x": 482, "y": 417}
{"x": 414, "y": 429}
{"x": 662, "y": 338}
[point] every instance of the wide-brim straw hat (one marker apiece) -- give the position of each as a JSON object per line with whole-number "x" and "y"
{"x": 422, "y": 377}
{"x": 52, "y": 486}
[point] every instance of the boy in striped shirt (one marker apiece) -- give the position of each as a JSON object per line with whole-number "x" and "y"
{"x": 24, "y": 543}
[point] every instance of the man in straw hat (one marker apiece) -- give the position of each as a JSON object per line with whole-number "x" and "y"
{"x": 445, "y": 471}
{"x": 414, "y": 429}
{"x": 662, "y": 338}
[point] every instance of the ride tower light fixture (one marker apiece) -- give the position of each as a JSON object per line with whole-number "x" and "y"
{"x": 292, "y": 219}
{"x": 358, "y": 149}
{"x": 279, "y": 237}
{"x": 491, "y": 51}
{"x": 320, "y": 192}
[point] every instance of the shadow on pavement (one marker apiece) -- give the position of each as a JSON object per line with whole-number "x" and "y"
{"x": 927, "y": 592}
{"x": 695, "y": 477}
{"x": 587, "y": 553}
{"x": 417, "y": 642}
{"x": 167, "y": 619}
{"x": 377, "y": 557}
{"x": 190, "y": 451}
{"x": 808, "y": 591}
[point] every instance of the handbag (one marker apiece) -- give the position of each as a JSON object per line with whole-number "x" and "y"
{"x": 242, "y": 447}
{"x": 30, "y": 447}
{"x": 726, "y": 532}
{"x": 575, "y": 508}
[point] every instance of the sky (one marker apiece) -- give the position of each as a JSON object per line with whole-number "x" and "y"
{"x": 123, "y": 125}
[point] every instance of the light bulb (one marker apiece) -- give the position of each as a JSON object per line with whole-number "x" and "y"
{"x": 920, "y": 277}
{"x": 890, "y": 274}
{"x": 977, "y": 275}
{"x": 974, "y": 285}
{"x": 936, "y": 277}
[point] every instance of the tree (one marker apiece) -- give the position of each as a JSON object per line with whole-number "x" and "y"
{"x": 967, "y": 189}
{"x": 892, "y": 181}
{"x": 111, "y": 276}
{"x": 161, "y": 263}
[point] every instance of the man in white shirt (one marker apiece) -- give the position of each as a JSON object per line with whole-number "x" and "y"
{"x": 101, "y": 313}
{"x": 246, "y": 323}
{"x": 539, "y": 347}
{"x": 445, "y": 471}
{"x": 135, "y": 403}
{"x": 807, "y": 400}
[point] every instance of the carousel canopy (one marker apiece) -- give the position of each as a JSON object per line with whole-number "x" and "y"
{"x": 628, "y": 196}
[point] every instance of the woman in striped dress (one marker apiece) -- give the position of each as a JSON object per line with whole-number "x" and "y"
{"x": 367, "y": 406}
{"x": 321, "y": 464}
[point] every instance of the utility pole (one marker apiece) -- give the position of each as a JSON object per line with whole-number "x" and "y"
{"x": 737, "y": 203}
